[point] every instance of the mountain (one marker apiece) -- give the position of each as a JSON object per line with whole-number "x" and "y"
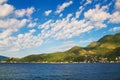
{"x": 111, "y": 38}
{"x": 105, "y": 49}
{"x": 2, "y": 57}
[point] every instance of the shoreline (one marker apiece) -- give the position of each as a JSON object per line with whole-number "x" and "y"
{"x": 55, "y": 62}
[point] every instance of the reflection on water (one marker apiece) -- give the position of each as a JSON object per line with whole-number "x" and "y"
{"x": 29, "y": 71}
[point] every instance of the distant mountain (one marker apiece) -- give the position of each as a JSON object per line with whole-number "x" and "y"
{"x": 105, "y": 49}
{"x": 3, "y": 57}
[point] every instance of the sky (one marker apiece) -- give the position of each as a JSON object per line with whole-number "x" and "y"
{"x": 46, "y": 26}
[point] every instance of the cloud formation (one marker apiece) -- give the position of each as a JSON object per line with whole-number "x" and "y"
{"x": 24, "y": 12}
{"x": 10, "y": 23}
{"x": 5, "y": 9}
{"x": 60, "y": 8}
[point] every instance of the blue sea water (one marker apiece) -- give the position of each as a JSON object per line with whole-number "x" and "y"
{"x": 37, "y": 71}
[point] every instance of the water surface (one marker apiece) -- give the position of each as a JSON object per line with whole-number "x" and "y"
{"x": 36, "y": 71}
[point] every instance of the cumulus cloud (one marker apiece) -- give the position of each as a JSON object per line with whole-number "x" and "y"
{"x": 29, "y": 11}
{"x": 5, "y": 33}
{"x": 48, "y": 12}
{"x": 12, "y": 23}
{"x": 100, "y": 15}
{"x": 24, "y": 12}
{"x": 22, "y": 41}
{"x": 6, "y": 9}
{"x": 60, "y": 8}
{"x": 20, "y": 13}
{"x": 70, "y": 26}
{"x": 9, "y": 24}
{"x": 115, "y": 17}
{"x": 66, "y": 28}
{"x": 28, "y": 40}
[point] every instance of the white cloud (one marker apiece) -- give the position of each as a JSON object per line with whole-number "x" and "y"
{"x": 24, "y": 12}
{"x": 115, "y": 29}
{"x": 100, "y": 15}
{"x": 32, "y": 24}
{"x": 20, "y": 13}
{"x": 47, "y": 13}
{"x": 115, "y": 17}
{"x": 22, "y": 41}
{"x": 5, "y": 33}
{"x": 6, "y": 9}
{"x": 69, "y": 27}
{"x": 46, "y": 25}
{"x": 9, "y": 24}
{"x": 29, "y": 11}
{"x": 12, "y": 23}
{"x": 28, "y": 40}
{"x": 60, "y": 8}
{"x": 3, "y": 1}
{"x": 66, "y": 28}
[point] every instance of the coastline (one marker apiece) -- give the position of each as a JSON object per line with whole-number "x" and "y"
{"x": 55, "y": 62}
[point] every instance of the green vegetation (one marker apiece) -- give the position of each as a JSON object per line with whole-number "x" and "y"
{"x": 107, "y": 49}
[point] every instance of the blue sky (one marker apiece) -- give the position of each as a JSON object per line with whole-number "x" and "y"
{"x": 45, "y": 26}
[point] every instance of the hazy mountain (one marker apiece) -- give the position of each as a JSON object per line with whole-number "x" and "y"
{"x": 3, "y": 57}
